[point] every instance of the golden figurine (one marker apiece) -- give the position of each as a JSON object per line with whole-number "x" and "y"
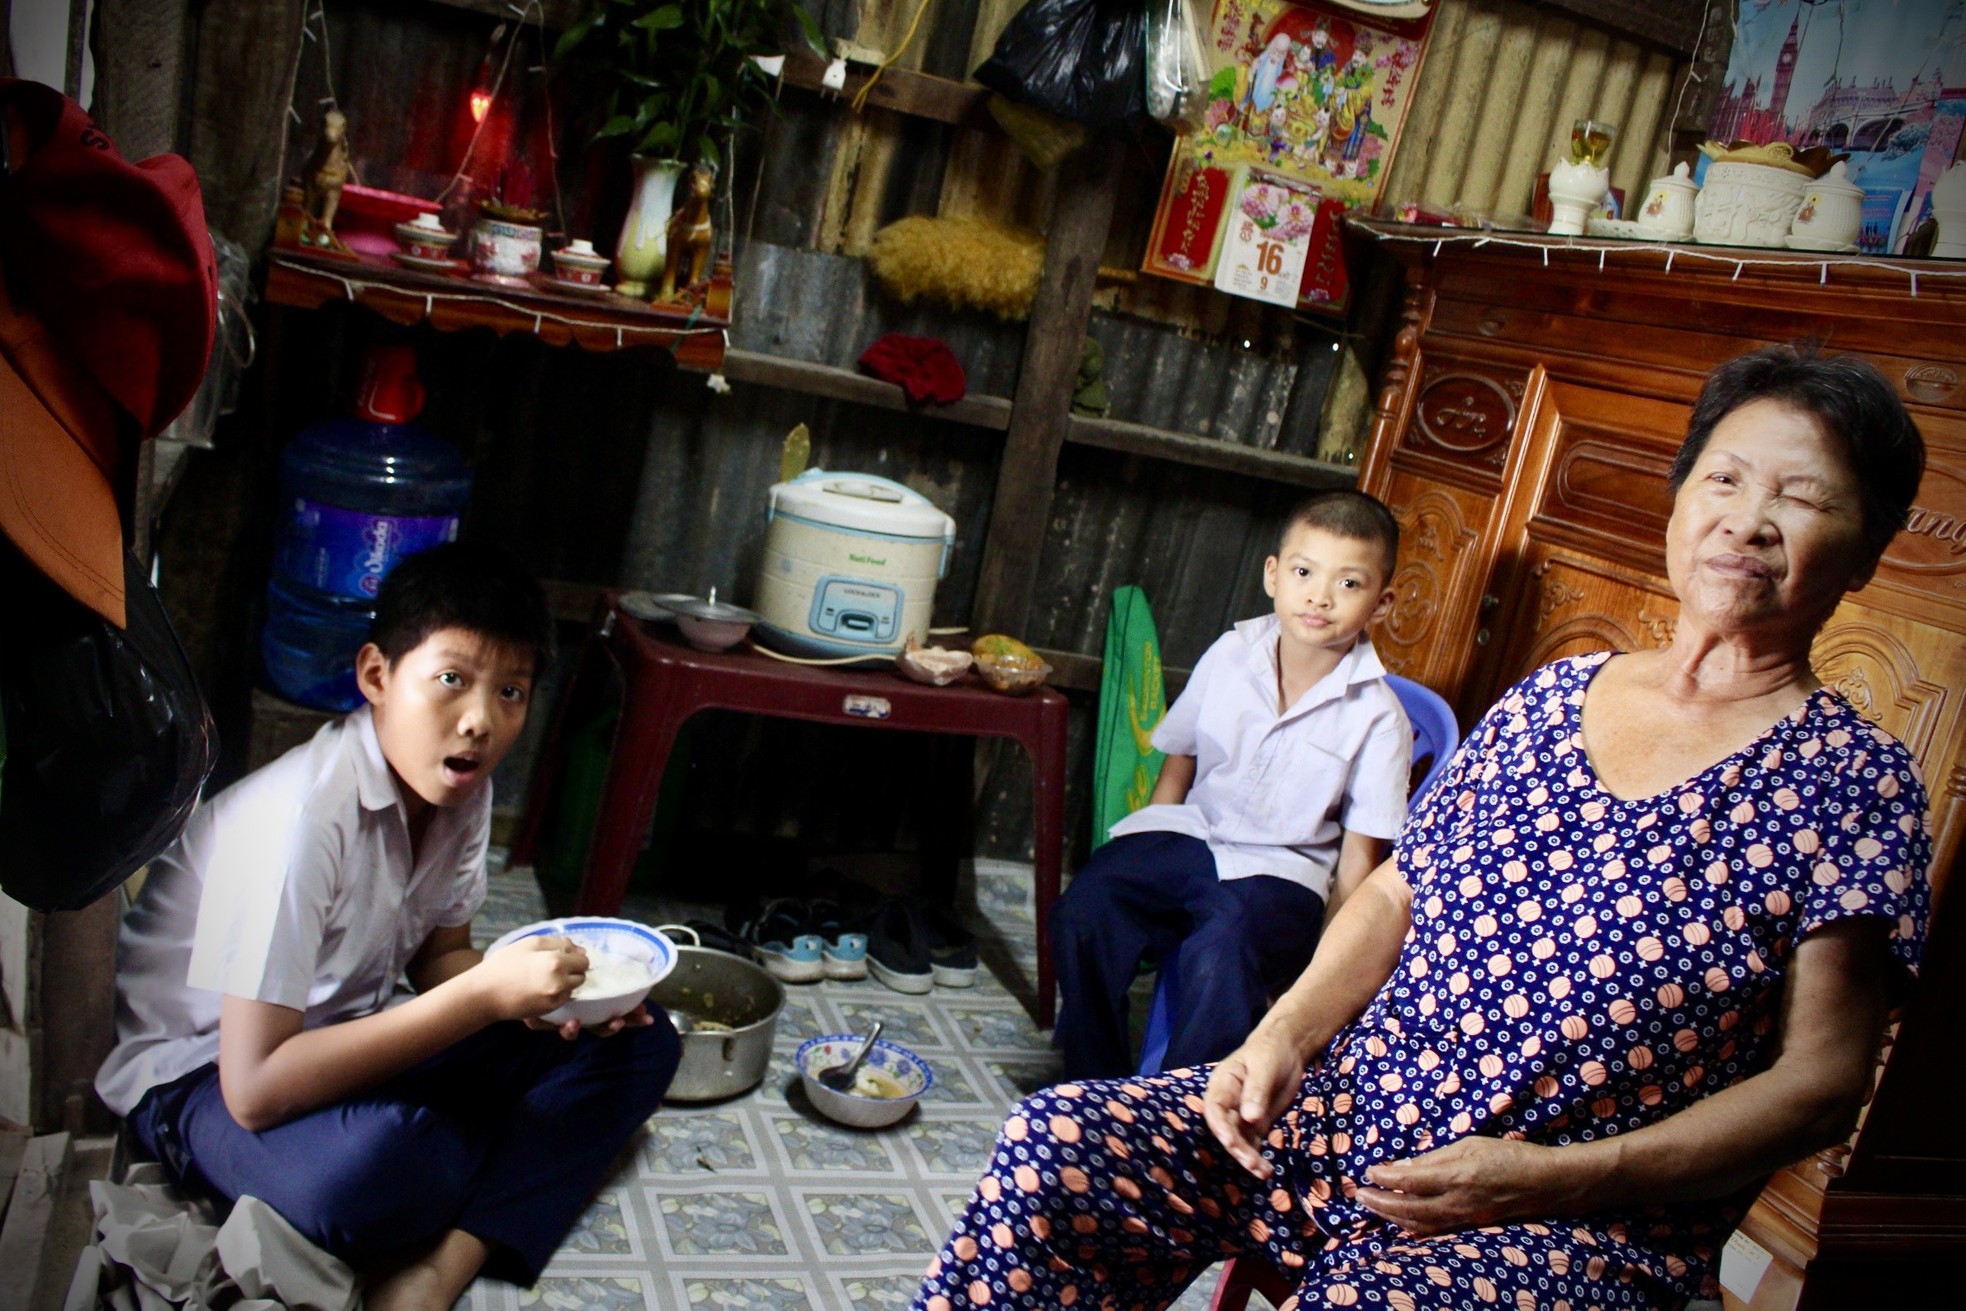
{"x": 321, "y": 180}
{"x": 690, "y": 235}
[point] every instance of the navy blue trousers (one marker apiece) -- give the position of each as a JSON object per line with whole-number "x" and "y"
{"x": 504, "y": 1135}
{"x": 1233, "y": 943}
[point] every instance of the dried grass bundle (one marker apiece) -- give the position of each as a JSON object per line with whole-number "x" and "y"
{"x": 967, "y": 263}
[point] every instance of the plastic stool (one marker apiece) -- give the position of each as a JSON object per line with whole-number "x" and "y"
{"x": 667, "y": 682}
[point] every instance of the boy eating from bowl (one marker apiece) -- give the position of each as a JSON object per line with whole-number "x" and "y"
{"x": 261, "y": 1045}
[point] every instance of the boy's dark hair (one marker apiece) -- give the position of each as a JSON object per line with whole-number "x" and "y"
{"x": 478, "y": 588}
{"x": 1355, "y": 515}
{"x": 1855, "y": 404}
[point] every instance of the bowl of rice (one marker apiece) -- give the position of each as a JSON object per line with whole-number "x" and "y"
{"x": 624, "y": 961}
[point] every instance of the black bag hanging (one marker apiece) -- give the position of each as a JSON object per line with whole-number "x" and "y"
{"x": 108, "y": 738}
{"x": 1082, "y": 60}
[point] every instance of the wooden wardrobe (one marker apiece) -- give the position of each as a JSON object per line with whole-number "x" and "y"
{"x": 1535, "y": 398}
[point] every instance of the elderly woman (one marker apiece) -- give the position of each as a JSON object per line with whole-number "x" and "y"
{"x": 1634, "y": 952}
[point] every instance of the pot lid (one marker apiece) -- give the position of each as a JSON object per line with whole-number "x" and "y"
{"x": 1836, "y": 180}
{"x": 862, "y": 502}
{"x": 1680, "y": 179}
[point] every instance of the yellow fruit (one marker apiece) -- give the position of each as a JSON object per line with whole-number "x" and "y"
{"x": 998, "y": 647}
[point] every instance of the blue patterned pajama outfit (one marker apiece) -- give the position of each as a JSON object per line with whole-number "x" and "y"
{"x": 1578, "y": 965}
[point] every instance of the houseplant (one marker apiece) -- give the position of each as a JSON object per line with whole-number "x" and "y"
{"x": 680, "y": 77}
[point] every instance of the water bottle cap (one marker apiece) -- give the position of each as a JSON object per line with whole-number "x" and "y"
{"x": 390, "y": 391}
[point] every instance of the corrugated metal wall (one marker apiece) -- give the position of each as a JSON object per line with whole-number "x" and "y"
{"x": 1502, "y": 83}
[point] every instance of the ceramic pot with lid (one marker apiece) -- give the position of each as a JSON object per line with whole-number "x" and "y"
{"x": 1667, "y": 214}
{"x": 1832, "y": 213}
{"x": 1750, "y": 194}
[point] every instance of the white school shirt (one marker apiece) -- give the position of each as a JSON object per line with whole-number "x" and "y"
{"x": 293, "y": 886}
{"x": 1275, "y": 794}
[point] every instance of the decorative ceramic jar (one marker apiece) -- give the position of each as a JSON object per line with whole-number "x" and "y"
{"x": 504, "y": 250}
{"x": 644, "y": 245}
{"x": 1575, "y": 190}
{"x": 1832, "y": 214}
{"x": 579, "y": 263}
{"x": 1750, "y": 195}
{"x": 1949, "y": 208}
{"x": 1667, "y": 214}
{"x": 425, "y": 237}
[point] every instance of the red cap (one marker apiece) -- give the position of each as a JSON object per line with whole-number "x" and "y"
{"x": 108, "y": 301}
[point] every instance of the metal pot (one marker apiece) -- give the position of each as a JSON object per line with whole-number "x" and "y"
{"x": 722, "y": 989}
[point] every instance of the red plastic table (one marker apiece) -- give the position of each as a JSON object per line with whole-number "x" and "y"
{"x": 666, "y": 682}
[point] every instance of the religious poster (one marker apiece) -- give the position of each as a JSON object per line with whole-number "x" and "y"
{"x": 1304, "y": 107}
{"x": 1881, "y": 80}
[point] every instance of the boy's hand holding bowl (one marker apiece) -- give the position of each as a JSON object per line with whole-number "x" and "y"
{"x": 595, "y": 976}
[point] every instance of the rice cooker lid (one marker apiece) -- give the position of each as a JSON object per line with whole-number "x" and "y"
{"x": 862, "y": 502}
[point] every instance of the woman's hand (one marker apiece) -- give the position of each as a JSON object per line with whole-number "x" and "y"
{"x": 1248, "y": 1091}
{"x": 530, "y": 977}
{"x": 1473, "y": 1182}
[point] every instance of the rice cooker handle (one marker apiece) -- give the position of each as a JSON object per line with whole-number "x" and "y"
{"x": 839, "y": 483}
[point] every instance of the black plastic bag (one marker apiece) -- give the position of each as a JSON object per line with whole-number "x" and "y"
{"x": 1079, "y": 59}
{"x": 108, "y": 738}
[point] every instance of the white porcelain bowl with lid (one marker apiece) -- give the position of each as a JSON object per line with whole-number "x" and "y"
{"x": 1832, "y": 213}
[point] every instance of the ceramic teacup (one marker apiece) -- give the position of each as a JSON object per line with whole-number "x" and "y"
{"x": 425, "y": 237}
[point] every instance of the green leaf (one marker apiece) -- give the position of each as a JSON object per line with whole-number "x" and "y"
{"x": 571, "y": 38}
{"x": 661, "y": 20}
{"x": 619, "y": 125}
{"x": 706, "y": 152}
{"x": 659, "y": 140}
{"x": 814, "y": 34}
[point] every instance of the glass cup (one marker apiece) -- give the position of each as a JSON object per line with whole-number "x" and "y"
{"x": 1590, "y": 141}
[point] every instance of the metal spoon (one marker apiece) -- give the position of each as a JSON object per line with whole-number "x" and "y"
{"x": 840, "y": 1077}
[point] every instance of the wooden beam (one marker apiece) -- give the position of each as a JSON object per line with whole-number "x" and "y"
{"x": 240, "y": 85}
{"x": 845, "y": 385}
{"x": 140, "y": 69}
{"x": 922, "y": 95}
{"x": 1041, "y": 405}
{"x": 1074, "y": 671}
{"x": 1208, "y": 453}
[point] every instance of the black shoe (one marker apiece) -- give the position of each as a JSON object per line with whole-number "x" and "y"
{"x": 782, "y": 940}
{"x": 897, "y": 947}
{"x": 951, "y": 948}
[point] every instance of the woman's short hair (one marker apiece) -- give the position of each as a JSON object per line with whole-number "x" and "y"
{"x": 1856, "y": 406}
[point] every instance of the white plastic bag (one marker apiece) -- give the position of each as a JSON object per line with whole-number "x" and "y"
{"x": 1177, "y": 79}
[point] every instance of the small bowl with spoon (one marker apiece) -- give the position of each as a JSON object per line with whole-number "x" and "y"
{"x": 883, "y": 1080}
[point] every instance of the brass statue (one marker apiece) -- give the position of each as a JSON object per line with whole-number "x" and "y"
{"x": 321, "y": 180}
{"x": 690, "y": 234}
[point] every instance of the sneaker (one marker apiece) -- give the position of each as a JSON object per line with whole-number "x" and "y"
{"x": 782, "y": 940}
{"x": 897, "y": 947}
{"x": 843, "y": 947}
{"x": 951, "y": 949}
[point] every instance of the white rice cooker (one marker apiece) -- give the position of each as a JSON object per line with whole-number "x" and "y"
{"x": 850, "y": 565}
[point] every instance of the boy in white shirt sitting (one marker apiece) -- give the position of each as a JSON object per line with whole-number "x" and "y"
{"x": 258, "y": 1051}
{"x": 1284, "y": 783}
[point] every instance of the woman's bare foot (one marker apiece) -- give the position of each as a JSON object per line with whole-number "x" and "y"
{"x": 435, "y": 1280}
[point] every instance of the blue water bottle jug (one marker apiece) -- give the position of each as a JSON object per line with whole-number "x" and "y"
{"x": 360, "y": 494}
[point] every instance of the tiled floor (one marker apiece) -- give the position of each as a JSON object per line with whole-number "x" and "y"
{"x": 758, "y": 1202}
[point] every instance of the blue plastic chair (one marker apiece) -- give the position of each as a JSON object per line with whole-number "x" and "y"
{"x": 1435, "y": 735}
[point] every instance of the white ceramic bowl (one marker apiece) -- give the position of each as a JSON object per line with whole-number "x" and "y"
{"x": 636, "y": 942}
{"x": 892, "y": 1059}
{"x": 712, "y": 625}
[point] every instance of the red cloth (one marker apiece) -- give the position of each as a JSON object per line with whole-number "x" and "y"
{"x": 925, "y": 368}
